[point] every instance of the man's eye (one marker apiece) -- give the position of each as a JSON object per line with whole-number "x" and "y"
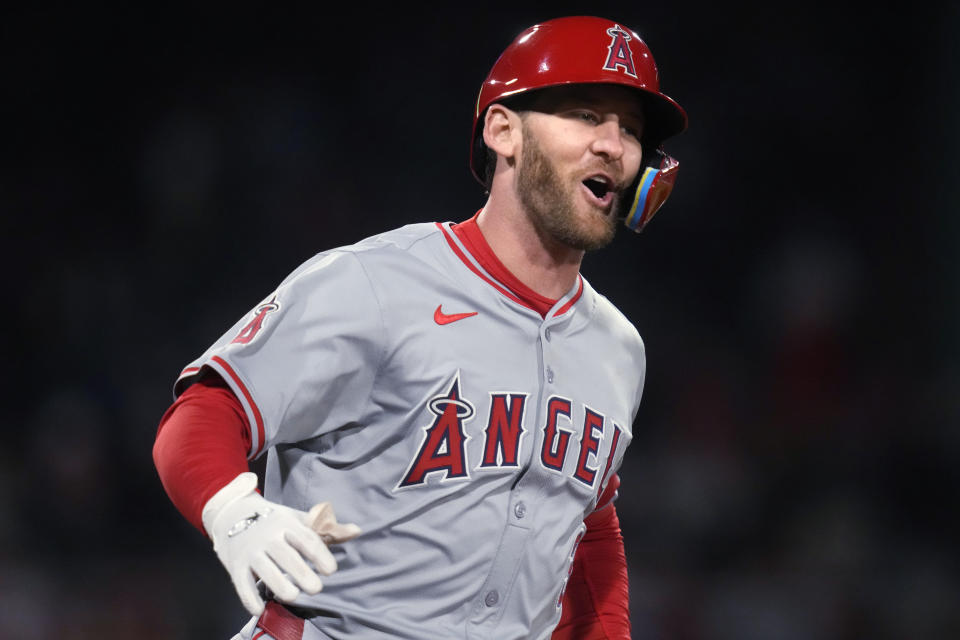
{"x": 587, "y": 116}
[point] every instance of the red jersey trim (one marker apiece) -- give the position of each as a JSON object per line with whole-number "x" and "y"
{"x": 562, "y": 310}
{"x": 473, "y": 241}
{"x": 473, "y": 267}
{"x": 257, "y": 434}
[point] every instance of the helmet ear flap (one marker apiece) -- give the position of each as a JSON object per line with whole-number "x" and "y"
{"x": 652, "y": 188}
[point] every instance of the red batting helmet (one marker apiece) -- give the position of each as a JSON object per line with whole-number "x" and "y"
{"x": 589, "y": 50}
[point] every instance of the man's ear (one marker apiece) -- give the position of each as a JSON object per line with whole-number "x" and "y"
{"x": 502, "y": 131}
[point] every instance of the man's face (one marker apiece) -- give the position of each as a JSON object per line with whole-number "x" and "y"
{"x": 581, "y": 151}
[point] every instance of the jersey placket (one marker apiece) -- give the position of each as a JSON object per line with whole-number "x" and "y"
{"x": 526, "y": 497}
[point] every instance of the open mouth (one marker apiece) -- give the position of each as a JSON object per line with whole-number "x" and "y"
{"x": 601, "y": 187}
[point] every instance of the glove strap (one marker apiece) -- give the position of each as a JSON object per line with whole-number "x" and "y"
{"x": 243, "y": 485}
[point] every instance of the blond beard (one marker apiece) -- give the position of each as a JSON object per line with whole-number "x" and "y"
{"x": 549, "y": 202}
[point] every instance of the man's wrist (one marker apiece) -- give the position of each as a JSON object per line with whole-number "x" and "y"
{"x": 244, "y": 484}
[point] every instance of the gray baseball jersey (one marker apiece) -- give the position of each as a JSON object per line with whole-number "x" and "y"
{"x": 467, "y": 435}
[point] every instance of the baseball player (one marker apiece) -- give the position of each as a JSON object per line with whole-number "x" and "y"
{"x": 445, "y": 407}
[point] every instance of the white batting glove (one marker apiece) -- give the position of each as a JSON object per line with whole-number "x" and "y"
{"x": 256, "y": 538}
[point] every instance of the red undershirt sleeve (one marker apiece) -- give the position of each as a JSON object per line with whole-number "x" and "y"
{"x": 596, "y": 601}
{"x": 201, "y": 445}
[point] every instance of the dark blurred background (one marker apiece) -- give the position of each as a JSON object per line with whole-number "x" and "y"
{"x": 794, "y": 473}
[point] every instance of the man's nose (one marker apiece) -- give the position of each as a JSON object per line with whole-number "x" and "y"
{"x": 609, "y": 139}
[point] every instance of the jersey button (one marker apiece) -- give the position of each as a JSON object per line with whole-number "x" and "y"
{"x": 549, "y": 374}
{"x": 546, "y": 333}
{"x": 492, "y": 598}
{"x": 520, "y": 510}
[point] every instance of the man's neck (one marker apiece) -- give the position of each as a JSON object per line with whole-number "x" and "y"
{"x": 543, "y": 264}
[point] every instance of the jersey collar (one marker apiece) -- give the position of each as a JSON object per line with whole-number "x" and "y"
{"x": 468, "y": 243}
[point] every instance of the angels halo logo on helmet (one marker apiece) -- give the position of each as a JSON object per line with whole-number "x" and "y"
{"x": 589, "y": 50}
{"x": 620, "y": 54}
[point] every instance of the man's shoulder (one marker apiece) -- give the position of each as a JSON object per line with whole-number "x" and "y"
{"x": 414, "y": 252}
{"x": 419, "y": 250}
{"x": 401, "y": 238}
{"x": 382, "y": 248}
{"x": 610, "y": 318}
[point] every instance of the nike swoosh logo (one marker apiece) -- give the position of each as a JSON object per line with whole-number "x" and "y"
{"x": 442, "y": 318}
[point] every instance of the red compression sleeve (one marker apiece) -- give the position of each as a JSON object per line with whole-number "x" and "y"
{"x": 202, "y": 444}
{"x": 596, "y": 602}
